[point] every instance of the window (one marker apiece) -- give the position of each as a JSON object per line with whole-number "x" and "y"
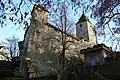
{"x": 80, "y": 25}
{"x": 91, "y": 26}
{"x": 43, "y": 20}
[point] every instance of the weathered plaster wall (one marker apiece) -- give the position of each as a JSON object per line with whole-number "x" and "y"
{"x": 43, "y": 45}
{"x": 93, "y": 58}
{"x": 91, "y": 32}
{"x": 85, "y": 30}
{"x": 82, "y": 30}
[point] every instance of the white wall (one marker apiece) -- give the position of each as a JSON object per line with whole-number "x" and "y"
{"x": 91, "y": 32}
{"x": 82, "y": 31}
{"x": 86, "y": 31}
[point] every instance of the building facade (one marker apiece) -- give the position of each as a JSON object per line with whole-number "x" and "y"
{"x": 96, "y": 55}
{"x": 85, "y": 29}
{"x": 43, "y": 42}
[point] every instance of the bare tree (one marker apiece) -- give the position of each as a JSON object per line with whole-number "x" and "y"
{"x": 11, "y": 45}
{"x": 47, "y": 40}
{"x": 49, "y": 45}
{"x": 107, "y": 14}
{"x": 18, "y": 12}
{"x": 64, "y": 41}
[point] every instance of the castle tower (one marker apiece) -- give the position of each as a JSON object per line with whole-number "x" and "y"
{"x": 40, "y": 13}
{"x": 85, "y": 29}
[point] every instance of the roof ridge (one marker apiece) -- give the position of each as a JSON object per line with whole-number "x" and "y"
{"x": 83, "y": 18}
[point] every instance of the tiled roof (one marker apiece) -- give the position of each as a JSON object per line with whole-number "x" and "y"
{"x": 95, "y": 47}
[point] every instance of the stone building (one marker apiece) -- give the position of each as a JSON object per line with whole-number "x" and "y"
{"x": 96, "y": 55}
{"x": 42, "y": 42}
{"x": 85, "y": 29}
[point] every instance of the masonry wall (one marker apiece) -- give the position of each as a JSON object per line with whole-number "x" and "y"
{"x": 91, "y": 32}
{"x": 82, "y": 30}
{"x": 85, "y": 30}
{"x": 94, "y": 58}
{"x": 43, "y": 45}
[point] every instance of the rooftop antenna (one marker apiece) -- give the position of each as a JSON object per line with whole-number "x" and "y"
{"x": 83, "y": 12}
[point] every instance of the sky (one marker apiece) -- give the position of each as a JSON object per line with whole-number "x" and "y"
{"x": 12, "y": 30}
{"x": 9, "y": 30}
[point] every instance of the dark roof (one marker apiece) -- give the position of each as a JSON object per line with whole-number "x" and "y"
{"x": 36, "y": 6}
{"x": 94, "y": 48}
{"x": 83, "y": 18}
{"x": 1, "y": 47}
{"x": 118, "y": 52}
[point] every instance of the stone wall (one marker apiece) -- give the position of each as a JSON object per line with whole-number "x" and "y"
{"x": 43, "y": 44}
{"x": 93, "y": 58}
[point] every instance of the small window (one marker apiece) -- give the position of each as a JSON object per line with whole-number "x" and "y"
{"x": 80, "y": 25}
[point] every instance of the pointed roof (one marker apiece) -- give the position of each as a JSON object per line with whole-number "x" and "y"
{"x": 83, "y": 18}
{"x": 1, "y": 47}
